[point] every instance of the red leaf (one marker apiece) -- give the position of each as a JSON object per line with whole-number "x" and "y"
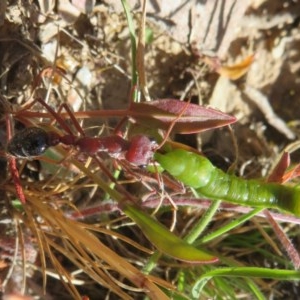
{"x": 186, "y": 117}
{"x": 294, "y": 173}
{"x": 278, "y": 172}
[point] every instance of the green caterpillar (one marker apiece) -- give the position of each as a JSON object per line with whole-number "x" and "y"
{"x": 198, "y": 172}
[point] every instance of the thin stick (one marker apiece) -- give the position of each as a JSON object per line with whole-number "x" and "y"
{"x": 141, "y": 53}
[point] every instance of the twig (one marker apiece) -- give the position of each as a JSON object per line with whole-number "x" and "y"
{"x": 140, "y": 55}
{"x": 263, "y": 104}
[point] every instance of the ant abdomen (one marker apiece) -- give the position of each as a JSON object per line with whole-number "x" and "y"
{"x": 29, "y": 142}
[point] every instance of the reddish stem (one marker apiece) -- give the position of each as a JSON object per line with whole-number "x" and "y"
{"x": 13, "y": 165}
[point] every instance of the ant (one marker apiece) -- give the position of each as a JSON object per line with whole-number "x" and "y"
{"x": 34, "y": 141}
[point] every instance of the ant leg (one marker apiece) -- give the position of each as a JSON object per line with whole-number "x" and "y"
{"x": 52, "y": 112}
{"x": 57, "y": 116}
{"x": 173, "y": 124}
{"x": 55, "y": 74}
{"x": 134, "y": 94}
{"x": 78, "y": 127}
{"x": 59, "y": 119}
{"x": 141, "y": 148}
{"x": 72, "y": 117}
{"x": 148, "y": 151}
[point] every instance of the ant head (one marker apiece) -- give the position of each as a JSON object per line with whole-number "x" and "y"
{"x": 29, "y": 142}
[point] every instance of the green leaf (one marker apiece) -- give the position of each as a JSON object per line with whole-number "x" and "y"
{"x": 16, "y": 203}
{"x": 166, "y": 241}
{"x": 148, "y": 35}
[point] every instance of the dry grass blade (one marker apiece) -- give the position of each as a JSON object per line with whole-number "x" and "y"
{"x": 140, "y": 55}
{"x": 84, "y": 249}
{"x": 82, "y": 55}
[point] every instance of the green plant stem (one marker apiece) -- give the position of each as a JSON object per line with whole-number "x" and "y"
{"x": 101, "y": 183}
{"x": 133, "y": 41}
{"x": 152, "y": 262}
{"x": 245, "y": 272}
{"x": 230, "y": 226}
{"x": 203, "y": 222}
{"x": 256, "y": 272}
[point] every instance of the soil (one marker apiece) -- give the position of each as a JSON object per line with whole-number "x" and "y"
{"x": 90, "y": 42}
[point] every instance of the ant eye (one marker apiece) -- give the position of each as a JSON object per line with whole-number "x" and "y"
{"x": 29, "y": 142}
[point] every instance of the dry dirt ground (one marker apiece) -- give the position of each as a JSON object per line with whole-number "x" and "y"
{"x": 90, "y": 41}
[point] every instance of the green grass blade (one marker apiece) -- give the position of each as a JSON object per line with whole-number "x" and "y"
{"x": 230, "y": 226}
{"x": 133, "y": 41}
{"x": 203, "y": 223}
{"x": 166, "y": 241}
{"x": 246, "y": 272}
